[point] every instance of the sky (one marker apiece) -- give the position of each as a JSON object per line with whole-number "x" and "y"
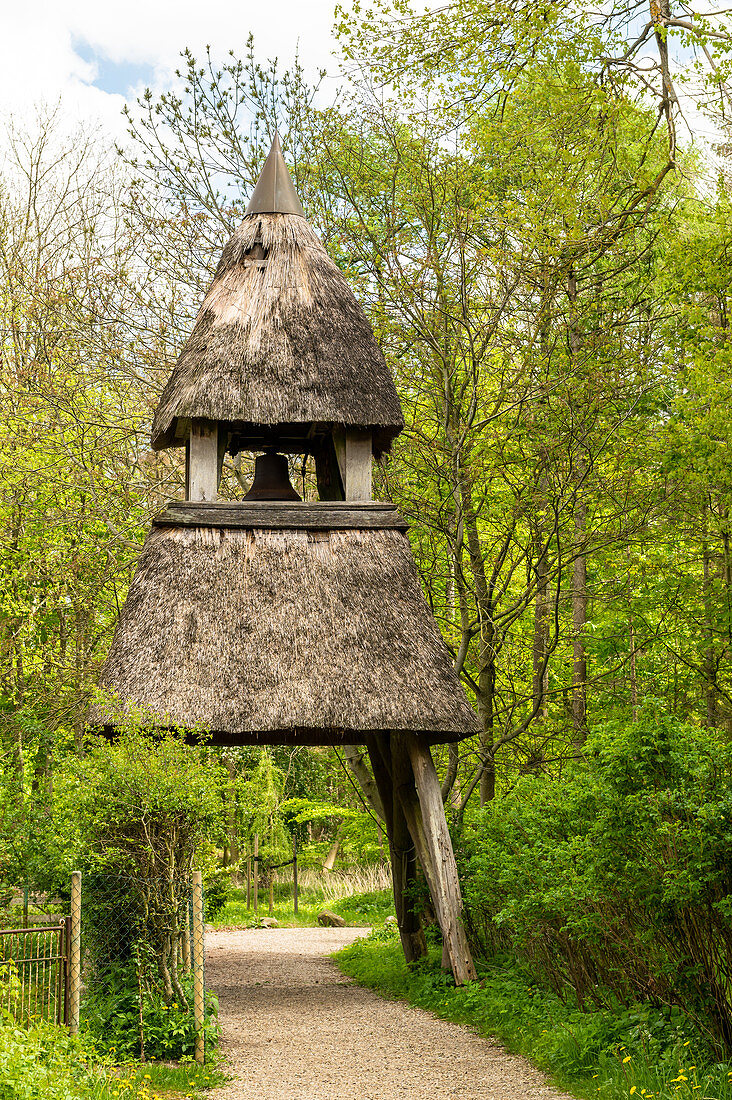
{"x": 95, "y": 55}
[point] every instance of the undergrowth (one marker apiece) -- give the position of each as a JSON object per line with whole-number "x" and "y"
{"x": 44, "y": 1062}
{"x": 111, "y": 1011}
{"x": 610, "y": 1053}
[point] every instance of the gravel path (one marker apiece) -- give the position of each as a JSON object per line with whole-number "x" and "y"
{"x": 294, "y": 1028}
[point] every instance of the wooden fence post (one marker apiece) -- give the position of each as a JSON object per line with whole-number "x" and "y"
{"x": 198, "y": 1007}
{"x": 74, "y": 963}
{"x": 249, "y": 881}
{"x": 294, "y": 874}
{"x": 256, "y": 872}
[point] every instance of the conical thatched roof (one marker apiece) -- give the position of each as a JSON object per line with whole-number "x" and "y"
{"x": 282, "y": 635}
{"x": 280, "y": 338}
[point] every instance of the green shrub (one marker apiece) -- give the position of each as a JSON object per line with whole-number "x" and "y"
{"x": 125, "y": 1021}
{"x": 616, "y": 881}
{"x": 217, "y": 891}
{"x": 45, "y": 1063}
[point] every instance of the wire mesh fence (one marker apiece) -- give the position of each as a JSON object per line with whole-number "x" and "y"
{"x": 127, "y": 965}
{"x": 142, "y": 965}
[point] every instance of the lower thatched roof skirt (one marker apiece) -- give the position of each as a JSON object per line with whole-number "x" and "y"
{"x": 281, "y": 636}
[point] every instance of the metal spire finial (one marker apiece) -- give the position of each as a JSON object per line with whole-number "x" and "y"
{"x": 275, "y": 192}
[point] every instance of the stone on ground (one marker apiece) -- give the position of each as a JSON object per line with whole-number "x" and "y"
{"x": 330, "y": 920}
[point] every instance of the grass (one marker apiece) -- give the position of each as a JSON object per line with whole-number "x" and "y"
{"x": 363, "y": 899}
{"x": 610, "y": 1054}
{"x": 169, "y": 1081}
{"x": 44, "y": 1062}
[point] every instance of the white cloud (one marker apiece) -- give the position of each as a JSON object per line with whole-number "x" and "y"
{"x": 51, "y": 50}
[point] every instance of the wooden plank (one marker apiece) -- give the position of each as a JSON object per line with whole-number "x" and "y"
{"x": 442, "y": 858}
{"x": 277, "y": 514}
{"x": 203, "y": 461}
{"x": 358, "y": 464}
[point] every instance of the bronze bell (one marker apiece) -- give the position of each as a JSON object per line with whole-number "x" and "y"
{"x": 271, "y": 479}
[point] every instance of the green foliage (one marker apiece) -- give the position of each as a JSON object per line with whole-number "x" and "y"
{"x": 216, "y": 892}
{"x": 615, "y": 881}
{"x": 45, "y": 1063}
{"x": 149, "y": 804}
{"x": 111, "y": 1011}
{"x": 612, "y": 1052}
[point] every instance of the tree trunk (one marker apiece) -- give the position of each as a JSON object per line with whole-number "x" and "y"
{"x": 486, "y": 650}
{"x": 233, "y": 831}
{"x": 710, "y": 666}
{"x": 541, "y": 630}
{"x": 329, "y": 862}
{"x": 579, "y": 621}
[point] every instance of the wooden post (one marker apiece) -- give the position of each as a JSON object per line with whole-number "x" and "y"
{"x": 429, "y": 830}
{"x": 203, "y": 467}
{"x": 249, "y": 881}
{"x": 198, "y": 1006}
{"x": 256, "y": 872}
{"x": 75, "y": 954}
{"x": 294, "y": 874}
{"x": 401, "y": 850}
{"x": 353, "y": 449}
{"x": 271, "y": 891}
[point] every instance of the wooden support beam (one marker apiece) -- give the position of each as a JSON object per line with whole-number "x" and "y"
{"x": 418, "y": 787}
{"x": 203, "y": 461}
{"x": 401, "y": 850}
{"x": 353, "y": 448}
{"x": 221, "y": 445}
{"x": 328, "y": 473}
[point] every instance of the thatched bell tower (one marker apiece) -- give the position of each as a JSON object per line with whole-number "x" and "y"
{"x": 275, "y": 620}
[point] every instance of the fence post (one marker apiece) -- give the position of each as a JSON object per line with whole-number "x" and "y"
{"x": 256, "y": 872}
{"x": 294, "y": 873}
{"x": 198, "y": 1007}
{"x": 75, "y": 954}
{"x": 249, "y": 880}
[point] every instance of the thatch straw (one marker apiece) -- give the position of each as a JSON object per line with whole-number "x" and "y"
{"x": 279, "y": 636}
{"x": 280, "y": 339}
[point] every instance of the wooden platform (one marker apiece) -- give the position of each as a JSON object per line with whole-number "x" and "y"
{"x": 283, "y": 514}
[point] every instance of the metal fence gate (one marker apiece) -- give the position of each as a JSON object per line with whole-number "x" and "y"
{"x": 34, "y": 972}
